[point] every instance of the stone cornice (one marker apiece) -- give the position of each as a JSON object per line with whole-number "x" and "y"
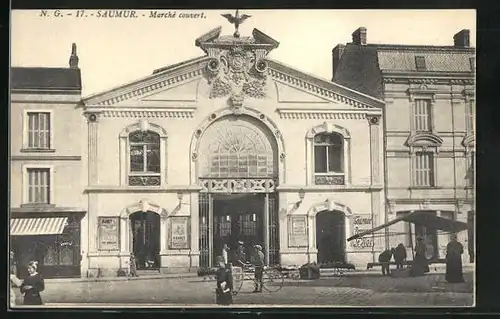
{"x": 184, "y": 112}
{"x": 320, "y": 87}
{"x": 151, "y": 189}
{"x": 179, "y": 74}
{"x": 329, "y": 188}
{"x": 324, "y": 114}
{"x": 448, "y": 79}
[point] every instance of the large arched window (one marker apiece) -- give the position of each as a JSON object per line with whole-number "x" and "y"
{"x": 328, "y": 155}
{"x": 145, "y": 159}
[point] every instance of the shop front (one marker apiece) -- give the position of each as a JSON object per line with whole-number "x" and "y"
{"x": 53, "y": 241}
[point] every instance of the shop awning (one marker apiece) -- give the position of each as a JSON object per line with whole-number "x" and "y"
{"x": 423, "y": 218}
{"x": 37, "y": 226}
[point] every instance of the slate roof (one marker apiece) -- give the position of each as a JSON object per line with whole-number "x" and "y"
{"x": 362, "y": 67}
{"x": 39, "y": 78}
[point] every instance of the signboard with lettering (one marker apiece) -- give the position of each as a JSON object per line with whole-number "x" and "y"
{"x": 361, "y": 223}
{"x": 297, "y": 231}
{"x": 108, "y": 233}
{"x": 179, "y": 232}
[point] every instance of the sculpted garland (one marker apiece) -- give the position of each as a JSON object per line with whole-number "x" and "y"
{"x": 237, "y": 73}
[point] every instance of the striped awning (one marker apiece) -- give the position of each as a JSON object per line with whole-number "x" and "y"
{"x": 37, "y": 226}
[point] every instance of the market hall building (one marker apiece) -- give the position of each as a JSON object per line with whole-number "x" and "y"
{"x": 231, "y": 146}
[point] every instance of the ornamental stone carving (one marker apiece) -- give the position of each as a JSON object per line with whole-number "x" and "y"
{"x": 237, "y": 65}
{"x": 237, "y": 72}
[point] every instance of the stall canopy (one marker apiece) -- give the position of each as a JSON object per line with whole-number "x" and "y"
{"x": 422, "y": 218}
{"x": 37, "y": 226}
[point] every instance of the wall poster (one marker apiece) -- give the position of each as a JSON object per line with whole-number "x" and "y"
{"x": 297, "y": 231}
{"x": 108, "y": 233}
{"x": 361, "y": 223}
{"x": 179, "y": 233}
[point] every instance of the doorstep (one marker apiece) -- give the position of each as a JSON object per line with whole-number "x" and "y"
{"x": 106, "y": 279}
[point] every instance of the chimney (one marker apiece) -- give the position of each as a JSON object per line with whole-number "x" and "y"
{"x": 336, "y": 56}
{"x": 359, "y": 36}
{"x": 462, "y": 39}
{"x": 73, "y": 59}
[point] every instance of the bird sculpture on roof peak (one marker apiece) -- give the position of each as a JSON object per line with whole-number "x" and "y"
{"x": 237, "y": 19}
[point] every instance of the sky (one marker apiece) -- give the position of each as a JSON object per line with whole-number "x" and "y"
{"x": 115, "y": 51}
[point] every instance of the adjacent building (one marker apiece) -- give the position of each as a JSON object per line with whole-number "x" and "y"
{"x": 429, "y": 124}
{"x": 47, "y": 215}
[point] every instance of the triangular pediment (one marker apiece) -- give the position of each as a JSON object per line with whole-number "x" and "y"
{"x": 176, "y": 83}
{"x": 183, "y": 81}
{"x": 186, "y": 92}
{"x": 289, "y": 94}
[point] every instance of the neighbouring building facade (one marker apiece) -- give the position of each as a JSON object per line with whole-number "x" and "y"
{"x": 429, "y": 128}
{"x": 228, "y": 147}
{"x": 48, "y": 212}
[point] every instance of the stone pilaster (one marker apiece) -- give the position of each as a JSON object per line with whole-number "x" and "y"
{"x": 93, "y": 135}
{"x": 195, "y": 230}
{"x": 92, "y": 222}
{"x": 266, "y": 229}
{"x": 374, "y": 122}
{"x": 163, "y": 233}
{"x": 378, "y": 217}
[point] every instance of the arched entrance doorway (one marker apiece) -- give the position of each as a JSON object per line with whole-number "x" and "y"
{"x": 330, "y": 236}
{"x": 237, "y": 168}
{"x": 145, "y": 229}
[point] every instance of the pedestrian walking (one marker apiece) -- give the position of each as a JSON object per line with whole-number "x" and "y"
{"x": 454, "y": 251}
{"x": 14, "y": 281}
{"x": 420, "y": 264}
{"x": 385, "y": 258}
{"x": 225, "y": 251}
{"x": 400, "y": 255}
{"x": 224, "y": 290}
{"x": 239, "y": 257}
{"x": 258, "y": 261}
{"x": 133, "y": 266}
{"x": 32, "y": 285}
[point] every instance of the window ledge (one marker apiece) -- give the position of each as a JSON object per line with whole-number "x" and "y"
{"x": 35, "y": 205}
{"x": 469, "y": 187}
{"x": 38, "y": 150}
{"x": 424, "y": 187}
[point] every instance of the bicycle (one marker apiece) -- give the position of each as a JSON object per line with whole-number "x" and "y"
{"x": 272, "y": 279}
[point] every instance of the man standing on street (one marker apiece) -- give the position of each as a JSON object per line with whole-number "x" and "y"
{"x": 385, "y": 258}
{"x": 258, "y": 262}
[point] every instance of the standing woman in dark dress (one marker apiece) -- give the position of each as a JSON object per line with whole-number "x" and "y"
{"x": 32, "y": 285}
{"x": 454, "y": 251}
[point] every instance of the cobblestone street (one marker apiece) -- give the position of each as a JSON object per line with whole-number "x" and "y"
{"x": 350, "y": 290}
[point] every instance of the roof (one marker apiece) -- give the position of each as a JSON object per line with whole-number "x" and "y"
{"x": 362, "y": 67}
{"x": 39, "y": 78}
{"x": 424, "y": 218}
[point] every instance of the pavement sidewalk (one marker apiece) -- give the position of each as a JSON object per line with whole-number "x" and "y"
{"x": 436, "y": 268}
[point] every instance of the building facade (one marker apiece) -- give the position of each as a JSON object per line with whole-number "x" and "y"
{"x": 429, "y": 123}
{"x": 48, "y": 213}
{"x": 231, "y": 146}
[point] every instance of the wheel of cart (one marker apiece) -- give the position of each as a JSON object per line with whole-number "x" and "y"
{"x": 272, "y": 279}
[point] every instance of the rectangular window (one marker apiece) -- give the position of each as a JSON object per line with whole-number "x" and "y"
{"x": 420, "y": 63}
{"x": 423, "y": 169}
{"x": 422, "y": 115}
{"x": 320, "y": 159}
{"x": 38, "y": 185}
{"x": 39, "y": 130}
{"x": 471, "y": 116}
